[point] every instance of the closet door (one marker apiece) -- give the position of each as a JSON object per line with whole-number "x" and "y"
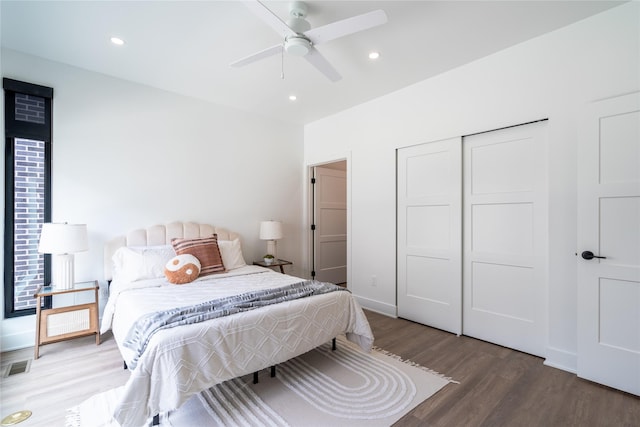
{"x": 505, "y": 237}
{"x": 429, "y": 234}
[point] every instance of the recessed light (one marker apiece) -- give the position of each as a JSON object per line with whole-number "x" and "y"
{"x": 374, "y": 55}
{"x": 292, "y": 97}
{"x": 117, "y": 40}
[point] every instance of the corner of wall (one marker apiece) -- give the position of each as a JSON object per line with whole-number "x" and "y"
{"x": 561, "y": 359}
{"x": 377, "y": 306}
{"x": 17, "y": 333}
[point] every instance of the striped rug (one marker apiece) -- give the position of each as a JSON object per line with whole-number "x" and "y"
{"x": 345, "y": 387}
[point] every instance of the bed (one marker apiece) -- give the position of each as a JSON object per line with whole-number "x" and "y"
{"x": 180, "y": 361}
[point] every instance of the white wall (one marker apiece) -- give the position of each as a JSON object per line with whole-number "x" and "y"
{"x": 127, "y": 156}
{"x": 552, "y": 76}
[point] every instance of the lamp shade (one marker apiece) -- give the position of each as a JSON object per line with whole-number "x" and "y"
{"x": 270, "y": 230}
{"x": 63, "y": 238}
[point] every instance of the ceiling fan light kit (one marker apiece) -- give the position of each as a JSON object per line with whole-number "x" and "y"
{"x": 297, "y": 46}
{"x": 301, "y": 40}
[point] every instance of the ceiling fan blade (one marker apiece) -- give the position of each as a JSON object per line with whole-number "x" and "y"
{"x": 262, "y": 12}
{"x": 346, "y": 26}
{"x": 270, "y": 51}
{"x": 317, "y": 60}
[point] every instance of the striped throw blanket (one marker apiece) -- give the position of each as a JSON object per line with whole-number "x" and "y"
{"x": 146, "y": 326}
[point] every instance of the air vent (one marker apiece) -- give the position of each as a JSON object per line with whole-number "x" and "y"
{"x": 18, "y": 368}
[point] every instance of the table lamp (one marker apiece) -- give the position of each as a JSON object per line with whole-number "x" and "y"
{"x": 62, "y": 240}
{"x": 271, "y": 231}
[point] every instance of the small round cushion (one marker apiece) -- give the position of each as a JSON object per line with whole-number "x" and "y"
{"x": 182, "y": 269}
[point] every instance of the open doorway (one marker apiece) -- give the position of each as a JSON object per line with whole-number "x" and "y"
{"x": 329, "y": 222}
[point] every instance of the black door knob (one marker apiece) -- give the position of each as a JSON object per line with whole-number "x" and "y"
{"x": 590, "y": 255}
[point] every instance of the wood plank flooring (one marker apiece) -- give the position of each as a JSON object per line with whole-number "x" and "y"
{"x": 66, "y": 374}
{"x": 498, "y": 386}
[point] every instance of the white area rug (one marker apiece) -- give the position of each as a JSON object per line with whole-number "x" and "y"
{"x": 345, "y": 387}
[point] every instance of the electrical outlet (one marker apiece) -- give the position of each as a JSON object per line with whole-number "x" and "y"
{"x": 374, "y": 280}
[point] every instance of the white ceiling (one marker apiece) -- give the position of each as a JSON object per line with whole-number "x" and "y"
{"x": 186, "y": 46}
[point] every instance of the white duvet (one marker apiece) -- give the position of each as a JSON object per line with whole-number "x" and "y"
{"x": 185, "y": 360}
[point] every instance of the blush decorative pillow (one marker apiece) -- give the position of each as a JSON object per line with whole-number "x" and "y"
{"x": 205, "y": 249}
{"x": 182, "y": 269}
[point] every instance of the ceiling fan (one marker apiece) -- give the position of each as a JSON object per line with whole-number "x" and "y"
{"x": 300, "y": 40}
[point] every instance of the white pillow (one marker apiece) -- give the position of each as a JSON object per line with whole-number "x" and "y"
{"x": 231, "y": 254}
{"x": 141, "y": 262}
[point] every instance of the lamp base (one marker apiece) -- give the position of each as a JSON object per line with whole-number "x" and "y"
{"x": 271, "y": 248}
{"x": 63, "y": 271}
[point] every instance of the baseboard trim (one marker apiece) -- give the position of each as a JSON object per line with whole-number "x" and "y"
{"x": 18, "y": 340}
{"x": 377, "y": 306}
{"x": 562, "y": 359}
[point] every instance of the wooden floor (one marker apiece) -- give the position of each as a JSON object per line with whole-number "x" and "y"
{"x": 66, "y": 374}
{"x": 498, "y": 386}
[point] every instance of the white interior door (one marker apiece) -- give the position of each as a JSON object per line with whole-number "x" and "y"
{"x": 430, "y": 234}
{"x": 505, "y": 237}
{"x": 609, "y": 226}
{"x": 330, "y": 236}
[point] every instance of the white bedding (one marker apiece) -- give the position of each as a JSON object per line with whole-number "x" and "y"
{"x": 182, "y": 361}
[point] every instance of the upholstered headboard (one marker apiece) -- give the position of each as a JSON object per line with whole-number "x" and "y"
{"x": 160, "y": 235}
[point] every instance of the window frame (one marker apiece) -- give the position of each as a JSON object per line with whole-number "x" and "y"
{"x": 16, "y": 129}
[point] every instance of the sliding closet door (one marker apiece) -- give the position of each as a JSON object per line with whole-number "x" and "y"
{"x": 429, "y": 234}
{"x": 505, "y": 237}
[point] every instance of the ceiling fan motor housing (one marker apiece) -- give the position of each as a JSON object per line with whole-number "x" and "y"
{"x": 298, "y": 45}
{"x": 299, "y": 25}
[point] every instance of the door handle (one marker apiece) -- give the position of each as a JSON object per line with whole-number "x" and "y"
{"x": 589, "y": 255}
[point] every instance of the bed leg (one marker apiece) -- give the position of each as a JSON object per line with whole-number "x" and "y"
{"x": 156, "y": 420}
{"x": 273, "y": 371}
{"x": 255, "y": 377}
{"x": 333, "y": 344}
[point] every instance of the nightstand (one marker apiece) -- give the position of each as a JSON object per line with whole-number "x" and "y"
{"x": 276, "y": 263}
{"x": 67, "y": 319}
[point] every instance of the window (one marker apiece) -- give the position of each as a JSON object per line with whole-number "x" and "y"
{"x": 27, "y": 192}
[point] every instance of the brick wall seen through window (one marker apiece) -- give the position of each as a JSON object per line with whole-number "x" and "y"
{"x": 28, "y": 220}
{"x": 29, "y": 108}
{"x": 27, "y": 195}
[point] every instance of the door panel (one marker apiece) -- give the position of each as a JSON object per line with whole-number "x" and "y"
{"x": 620, "y": 230}
{"x": 619, "y": 150}
{"x": 428, "y": 227}
{"x": 609, "y": 226}
{"x": 491, "y": 175}
{"x": 619, "y": 305}
{"x": 330, "y": 237}
{"x": 430, "y": 234}
{"x": 505, "y": 237}
{"x": 503, "y": 228}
